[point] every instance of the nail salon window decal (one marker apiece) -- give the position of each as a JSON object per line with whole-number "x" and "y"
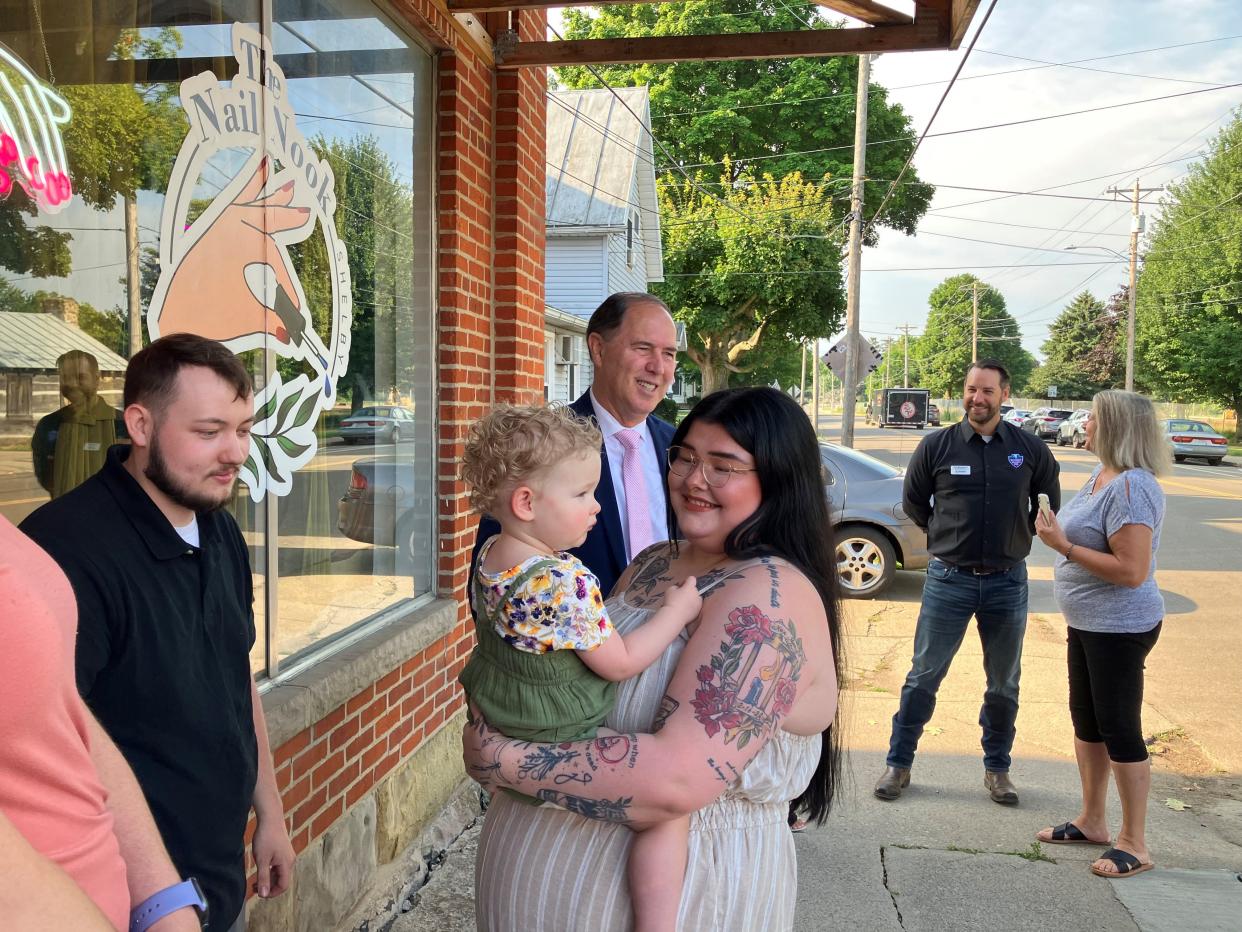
{"x": 227, "y": 273}
{"x": 32, "y": 153}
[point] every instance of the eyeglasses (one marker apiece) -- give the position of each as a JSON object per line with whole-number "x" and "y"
{"x": 716, "y": 471}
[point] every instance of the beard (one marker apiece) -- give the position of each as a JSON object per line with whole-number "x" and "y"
{"x": 162, "y": 478}
{"x": 977, "y": 417}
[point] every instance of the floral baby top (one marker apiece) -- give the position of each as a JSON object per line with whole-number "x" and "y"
{"x": 558, "y": 608}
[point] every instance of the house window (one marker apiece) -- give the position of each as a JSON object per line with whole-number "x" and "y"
{"x": 629, "y": 243}
{"x": 344, "y": 128}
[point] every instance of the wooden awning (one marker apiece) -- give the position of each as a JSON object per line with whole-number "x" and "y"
{"x": 936, "y": 24}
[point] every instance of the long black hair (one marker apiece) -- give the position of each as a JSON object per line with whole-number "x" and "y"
{"x": 791, "y": 522}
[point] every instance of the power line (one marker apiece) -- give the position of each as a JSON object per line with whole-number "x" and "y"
{"x": 927, "y": 268}
{"x": 971, "y": 129}
{"x": 881, "y": 91}
{"x": 910, "y": 158}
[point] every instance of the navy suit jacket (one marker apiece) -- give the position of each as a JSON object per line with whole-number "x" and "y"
{"x": 603, "y": 551}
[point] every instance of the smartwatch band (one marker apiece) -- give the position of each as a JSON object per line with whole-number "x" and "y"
{"x": 170, "y": 899}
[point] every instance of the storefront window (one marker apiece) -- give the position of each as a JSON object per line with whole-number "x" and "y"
{"x": 270, "y": 188}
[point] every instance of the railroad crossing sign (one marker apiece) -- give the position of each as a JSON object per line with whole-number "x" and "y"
{"x": 869, "y": 358}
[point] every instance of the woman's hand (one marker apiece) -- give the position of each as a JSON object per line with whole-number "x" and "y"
{"x": 1050, "y": 532}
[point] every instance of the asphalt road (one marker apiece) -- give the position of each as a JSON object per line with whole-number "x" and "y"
{"x": 1194, "y": 676}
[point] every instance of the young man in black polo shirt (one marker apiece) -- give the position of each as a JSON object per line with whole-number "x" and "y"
{"x": 163, "y": 586}
{"x": 974, "y": 487}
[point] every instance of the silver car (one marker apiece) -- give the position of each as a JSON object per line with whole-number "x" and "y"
{"x": 1195, "y": 438}
{"x": 1073, "y": 430}
{"x": 874, "y": 534}
{"x": 378, "y": 424}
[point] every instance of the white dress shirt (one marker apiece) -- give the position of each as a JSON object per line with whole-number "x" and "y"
{"x": 653, "y": 476}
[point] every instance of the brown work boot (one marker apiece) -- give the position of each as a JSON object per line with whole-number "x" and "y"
{"x": 892, "y": 782}
{"x": 1000, "y": 787}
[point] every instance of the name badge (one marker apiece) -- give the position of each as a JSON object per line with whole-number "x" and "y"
{"x": 959, "y": 470}
{"x": 91, "y": 447}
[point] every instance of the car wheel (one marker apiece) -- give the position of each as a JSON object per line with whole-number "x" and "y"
{"x": 1216, "y": 461}
{"x": 1079, "y": 441}
{"x": 866, "y": 562}
{"x": 1178, "y": 458}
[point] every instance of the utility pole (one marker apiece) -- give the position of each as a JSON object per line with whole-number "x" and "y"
{"x": 815, "y": 387}
{"x": 1136, "y": 227}
{"x": 133, "y": 276}
{"x": 974, "y": 322}
{"x": 906, "y": 328}
{"x": 802, "y": 382}
{"x": 849, "y": 390}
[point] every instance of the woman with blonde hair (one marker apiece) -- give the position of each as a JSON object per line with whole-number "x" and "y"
{"x": 1105, "y": 586}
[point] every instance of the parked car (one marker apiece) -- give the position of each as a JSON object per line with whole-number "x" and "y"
{"x": 874, "y": 534}
{"x": 1016, "y": 417}
{"x": 1195, "y": 438}
{"x": 380, "y": 507}
{"x": 933, "y": 415}
{"x": 1005, "y": 409}
{"x": 1073, "y": 430}
{"x": 1044, "y": 422}
{"x": 378, "y": 424}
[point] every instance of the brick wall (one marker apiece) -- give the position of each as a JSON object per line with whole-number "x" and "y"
{"x": 490, "y": 159}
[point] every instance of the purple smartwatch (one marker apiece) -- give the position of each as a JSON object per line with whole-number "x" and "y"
{"x": 170, "y": 899}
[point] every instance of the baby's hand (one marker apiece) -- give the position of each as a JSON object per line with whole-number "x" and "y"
{"x": 684, "y": 599}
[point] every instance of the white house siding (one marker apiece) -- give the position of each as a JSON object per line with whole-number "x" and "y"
{"x": 574, "y": 277}
{"x": 632, "y": 276}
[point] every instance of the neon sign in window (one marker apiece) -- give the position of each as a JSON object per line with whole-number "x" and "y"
{"x": 32, "y": 153}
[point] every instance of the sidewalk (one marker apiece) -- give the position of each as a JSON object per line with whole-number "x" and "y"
{"x": 944, "y": 858}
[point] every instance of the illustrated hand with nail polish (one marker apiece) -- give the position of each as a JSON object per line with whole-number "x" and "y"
{"x": 235, "y": 280}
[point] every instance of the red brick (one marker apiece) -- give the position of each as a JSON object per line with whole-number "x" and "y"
{"x": 360, "y": 700}
{"x": 325, "y": 819}
{"x": 323, "y": 773}
{"x": 291, "y": 747}
{"x": 302, "y": 815}
{"x": 326, "y": 724}
{"x": 344, "y": 733}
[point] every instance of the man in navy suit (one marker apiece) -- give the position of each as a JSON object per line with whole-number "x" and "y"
{"x": 633, "y": 344}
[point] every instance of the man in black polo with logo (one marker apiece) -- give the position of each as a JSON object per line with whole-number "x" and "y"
{"x": 162, "y": 578}
{"x": 975, "y": 488}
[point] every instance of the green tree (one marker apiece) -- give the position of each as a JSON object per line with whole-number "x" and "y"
{"x": 1080, "y": 354}
{"x": 747, "y": 265}
{"x": 374, "y": 217}
{"x": 1190, "y": 288}
{"x": 121, "y": 138}
{"x": 944, "y": 349}
{"x": 773, "y": 116}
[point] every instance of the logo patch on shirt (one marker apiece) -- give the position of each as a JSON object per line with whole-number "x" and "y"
{"x": 1015, "y": 460}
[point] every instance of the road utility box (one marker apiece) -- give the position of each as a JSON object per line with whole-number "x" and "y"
{"x": 899, "y": 407}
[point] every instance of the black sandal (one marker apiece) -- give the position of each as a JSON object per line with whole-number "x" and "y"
{"x": 1127, "y": 864}
{"x": 1067, "y": 833}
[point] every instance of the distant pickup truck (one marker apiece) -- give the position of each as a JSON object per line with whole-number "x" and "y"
{"x": 900, "y": 407}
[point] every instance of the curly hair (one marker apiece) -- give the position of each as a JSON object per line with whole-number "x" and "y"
{"x": 512, "y": 444}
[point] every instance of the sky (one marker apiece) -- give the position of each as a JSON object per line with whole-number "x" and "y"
{"x": 1111, "y": 147}
{"x": 1094, "y": 151}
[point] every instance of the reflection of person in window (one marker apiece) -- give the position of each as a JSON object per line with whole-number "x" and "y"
{"x": 70, "y": 444}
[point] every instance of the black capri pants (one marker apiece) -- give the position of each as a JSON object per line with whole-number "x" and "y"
{"x": 1106, "y": 689}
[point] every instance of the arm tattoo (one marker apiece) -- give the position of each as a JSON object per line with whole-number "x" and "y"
{"x": 543, "y": 759}
{"x": 650, "y": 574}
{"x": 737, "y": 694}
{"x": 668, "y": 705}
{"x": 713, "y": 580}
{"x": 602, "y": 810}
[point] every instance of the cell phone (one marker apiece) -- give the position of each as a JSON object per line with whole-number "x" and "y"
{"x": 1045, "y": 508}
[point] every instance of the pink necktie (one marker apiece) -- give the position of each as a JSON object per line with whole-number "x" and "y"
{"x": 637, "y": 506}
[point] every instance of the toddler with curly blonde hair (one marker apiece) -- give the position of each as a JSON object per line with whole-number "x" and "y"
{"x": 548, "y": 659}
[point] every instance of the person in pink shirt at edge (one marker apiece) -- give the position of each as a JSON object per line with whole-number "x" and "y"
{"x": 64, "y": 787}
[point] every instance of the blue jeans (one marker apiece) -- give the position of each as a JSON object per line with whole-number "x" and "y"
{"x": 950, "y": 598}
